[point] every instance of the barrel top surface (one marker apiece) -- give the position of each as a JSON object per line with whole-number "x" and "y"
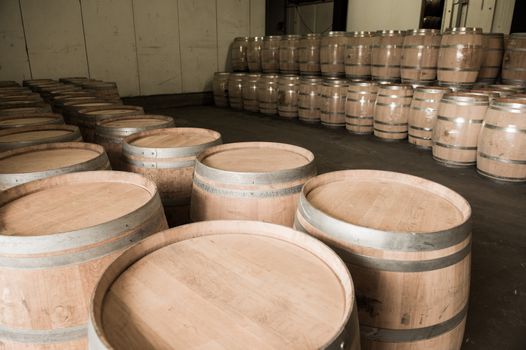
{"x": 387, "y": 201}
{"x": 232, "y": 289}
{"x": 30, "y": 133}
{"x": 510, "y": 103}
{"x": 48, "y": 156}
{"x": 71, "y": 202}
{"x": 173, "y": 138}
{"x": 463, "y": 30}
{"x": 256, "y": 157}
{"x": 111, "y": 111}
{"x": 134, "y": 121}
{"x": 89, "y": 104}
{"x": 27, "y": 120}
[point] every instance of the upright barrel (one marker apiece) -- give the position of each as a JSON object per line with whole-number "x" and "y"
{"x": 501, "y": 151}
{"x": 288, "y": 86}
{"x": 514, "y": 61}
{"x": 167, "y": 157}
{"x": 492, "y": 52}
{"x": 420, "y": 56}
{"x": 249, "y": 92}
{"x": 309, "y": 54}
{"x": 423, "y": 114}
{"x": 289, "y": 54}
{"x": 456, "y": 132}
{"x": 220, "y": 88}
{"x": 391, "y": 112}
{"x": 359, "y": 106}
{"x": 358, "y": 55}
{"x": 236, "y": 261}
{"x": 238, "y": 54}
{"x": 254, "y": 53}
{"x": 270, "y": 54}
{"x": 25, "y": 164}
{"x": 17, "y": 121}
{"x": 386, "y": 55}
{"x": 37, "y": 135}
{"x": 267, "y": 94}
{"x": 332, "y": 54}
{"x": 332, "y": 102}
{"x": 309, "y": 99}
{"x": 411, "y": 271}
{"x": 250, "y": 181}
{"x": 235, "y": 87}
{"x": 58, "y": 235}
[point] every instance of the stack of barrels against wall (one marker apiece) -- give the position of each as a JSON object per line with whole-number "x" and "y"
{"x": 394, "y": 84}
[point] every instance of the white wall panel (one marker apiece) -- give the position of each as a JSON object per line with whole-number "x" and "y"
{"x": 257, "y": 17}
{"x": 110, "y": 43}
{"x": 158, "y": 54}
{"x": 383, "y": 14}
{"x": 233, "y": 20}
{"x": 54, "y": 38}
{"x": 503, "y": 16}
{"x": 198, "y": 35}
{"x": 14, "y": 63}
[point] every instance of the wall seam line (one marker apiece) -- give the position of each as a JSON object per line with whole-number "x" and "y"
{"x": 25, "y": 39}
{"x": 84, "y": 36}
{"x": 136, "y": 48}
{"x": 180, "y": 51}
{"x": 217, "y": 40}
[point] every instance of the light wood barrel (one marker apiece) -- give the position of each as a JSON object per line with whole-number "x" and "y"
{"x": 167, "y": 157}
{"x": 79, "y": 223}
{"x": 309, "y": 54}
{"x": 282, "y": 308}
{"x": 289, "y": 54}
{"x": 267, "y": 94}
{"x": 86, "y": 119}
{"x": 359, "y": 106}
{"x": 460, "y": 56}
{"x": 456, "y": 132}
{"x": 501, "y": 151}
{"x": 423, "y": 114}
{"x": 419, "y": 56}
{"x": 238, "y": 54}
{"x": 411, "y": 272}
{"x": 17, "y": 121}
{"x": 492, "y": 93}
{"x": 288, "y": 86}
{"x": 220, "y": 88}
{"x": 309, "y": 99}
{"x": 25, "y": 164}
{"x": 111, "y": 132}
{"x": 250, "y": 181}
{"x": 391, "y": 111}
{"x": 270, "y": 54}
{"x": 36, "y": 135}
{"x": 514, "y": 61}
{"x": 249, "y": 92}
{"x": 71, "y": 108}
{"x": 333, "y": 93}
{"x": 386, "y": 54}
{"x": 254, "y": 53}
{"x": 332, "y": 54}
{"x": 235, "y": 87}
{"x": 358, "y": 55}
{"x": 492, "y": 52}
{"x": 104, "y": 90}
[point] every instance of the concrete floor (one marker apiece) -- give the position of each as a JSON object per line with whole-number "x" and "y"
{"x": 497, "y": 311}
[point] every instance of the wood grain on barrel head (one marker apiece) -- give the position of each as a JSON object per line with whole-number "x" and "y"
{"x": 134, "y": 122}
{"x": 171, "y": 139}
{"x": 228, "y": 291}
{"x": 42, "y": 160}
{"x": 25, "y": 120}
{"x": 110, "y": 111}
{"x": 29, "y": 135}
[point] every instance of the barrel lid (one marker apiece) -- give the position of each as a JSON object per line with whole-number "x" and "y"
{"x": 111, "y": 110}
{"x": 255, "y": 38}
{"x": 433, "y": 89}
{"x": 335, "y": 82}
{"x": 311, "y": 79}
{"x": 362, "y": 83}
{"x": 173, "y": 138}
{"x": 463, "y": 30}
{"x": 392, "y": 86}
{"x": 26, "y": 120}
{"x": 513, "y": 88}
{"x": 291, "y": 37}
{"x": 80, "y": 105}
{"x": 423, "y": 32}
{"x": 134, "y": 121}
{"x": 311, "y": 36}
{"x": 389, "y": 32}
{"x": 488, "y": 90}
{"x": 334, "y": 33}
{"x": 21, "y": 110}
{"x": 272, "y": 37}
{"x": 237, "y": 74}
{"x": 289, "y": 77}
{"x": 465, "y": 97}
{"x": 362, "y": 33}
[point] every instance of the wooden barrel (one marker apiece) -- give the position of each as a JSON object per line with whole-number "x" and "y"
{"x": 492, "y": 52}
{"x": 514, "y": 61}
{"x": 238, "y": 54}
{"x": 32, "y": 82}
{"x": 79, "y": 223}
{"x": 71, "y": 108}
{"x": 17, "y": 121}
{"x": 407, "y": 242}
{"x": 235, "y": 87}
{"x": 419, "y": 56}
{"x": 25, "y": 164}
{"x": 220, "y": 88}
{"x": 332, "y": 54}
{"x": 358, "y": 55}
{"x": 423, "y": 114}
{"x": 386, "y": 55}
{"x": 514, "y": 89}
{"x": 105, "y": 90}
{"x": 22, "y": 106}
{"x": 501, "y": 151}
{"x": 270, "y": 54}
{"x": 37, "y": 135}
{"x": 250, "y": 181}
{"x": 309, "y": 54}
{"x": 72, "y": 80}
{"x": 460, "y": 56}
{"x": 333, "y": 93}
{"x": 391, "y": 111}
{"x": 492, "y": 93}
{"x": 254, "y": 53}
{"x": 285, "y": 309}
{"x": 20, "y": 97}
{"x": 289, "y": 54}
{"x": 167, "y": 157}
{"x": 49, "y": 95}
{"x": 288, "y": 86}
{"x": 249, "y": 92}
{"x": 9, "y": 91}
{"x": 309, "y": 99}
{"x": 110, "y": 132}
{"x": 9, "y": 83}
{"x": 359, "y": 106}
{"x": 86, "y": 119}
{"x": 456, "y": 132}
{"x": 267, "y": 94}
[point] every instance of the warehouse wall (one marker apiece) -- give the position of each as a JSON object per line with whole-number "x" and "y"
{"x": 383, "y": 14}
{"x": 315, "y": 18}
{"x": 147, "y": 47}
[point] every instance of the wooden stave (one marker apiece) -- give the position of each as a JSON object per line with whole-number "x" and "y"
{"x": 309, "y": 54}
{"x": 358, "y": 55}
{"x": 254, "y": 54}
{"x": 333, "y": 94}
{"x": 267, "y": 94}
{"x": 332, "y": 58}
{"x": 492, "y": 54}
{"x": 270, "y": 54}
{"x": 238, "y": 54}
{"x": 288, "y": 86}
{"x": 386, "y": 53}
{"x": 74, "y": 135}
{"x": 249, "y": 92}
{"x": 220, "y": 88}
{"x": 71, "y": 108}
{"x": 359, "y": 107}
{"x": 235, "y": 86}
{"x": 514, "y": 60}
{"x": 309, "y": 99}
{"x": 420, "y": 56}
{"x": 289, "y": 54}
{"x": 391, "y": 112}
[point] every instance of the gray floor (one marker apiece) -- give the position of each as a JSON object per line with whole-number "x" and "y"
{"x": 497, "y": 312}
